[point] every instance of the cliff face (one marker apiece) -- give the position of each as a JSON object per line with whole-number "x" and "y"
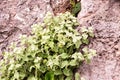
{"x": 16, "y": 17}
{"x": 104, "y": 16}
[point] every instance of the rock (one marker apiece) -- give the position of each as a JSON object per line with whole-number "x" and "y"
{"x": 104, "y": 17}
{"x": 17, "y": 16}
{"x": 60, "y": 6}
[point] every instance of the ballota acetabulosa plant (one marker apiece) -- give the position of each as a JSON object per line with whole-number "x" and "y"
{"x": 50, "y": 53}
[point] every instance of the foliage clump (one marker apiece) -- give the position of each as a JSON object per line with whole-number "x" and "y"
{"x": 50, "y": 53}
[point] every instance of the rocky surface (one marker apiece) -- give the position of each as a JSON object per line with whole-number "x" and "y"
{"x": 16, "y": 17}
{"x": 59, "y": 6}
{"x": 104, "y": 16}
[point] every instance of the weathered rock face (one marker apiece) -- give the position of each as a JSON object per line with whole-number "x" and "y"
{"x": 16, "y": 17}
{"x": 59, "y": 6}
{"x": 104, "y": 16}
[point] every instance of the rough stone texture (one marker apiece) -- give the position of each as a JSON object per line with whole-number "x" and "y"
{"x": 104, "y": 16}
{"x": 59, "y": 6}
{"x": 16, "y": 17}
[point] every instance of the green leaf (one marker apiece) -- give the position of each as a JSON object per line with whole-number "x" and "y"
{"x": 31, "y": 77}
{"x": 49, "y": 76}
{"x": 50, "y": 63}
{"x": 68, "y": 25}
{"x": 85, "y": 50}
{"x": 18, "y": 65}
{"x": 43, "y": 68}
{"x": 56, "y": 61}
{"x": 73, "y": 63}
{"x": 26, "y": 58}
{"x": 86, "y": 41}
{"x": 55, "y": 48}
{"x": 78, "y": 56}
{"x": 76, "y": 8}
{"x": 51, "y": 44}
{"x": 90, "y": 32}
{"x": 31, "y": 67}
{"x": 16, "y": 75}
{"x": 44, "y": 39}
{"x": 83, "y": 29}
{"x": 77, "y": 76}
{"x": 64, "y": 55}
{"x": 37, "y": 60}
{"x": 84, "y": 36}
{"x": 78, "y": 43}
{"x": 22, "y": 75}
{"x": 11, "y": 67}
{"x": 37, "y": 65}
{"x": 64, "y": 64}
{"x": 61, "y": 77}
{"x": 68, "y": 78}
{"x": 67, "y": 72}
{"x": 61, "y": 44}
{"x": 58, "y": 72}
{"x": 92, "y": 52}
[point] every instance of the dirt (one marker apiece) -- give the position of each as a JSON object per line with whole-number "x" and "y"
{"x": 104, "y": 17}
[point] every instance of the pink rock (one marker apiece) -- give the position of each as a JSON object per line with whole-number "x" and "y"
{"x": 104, "y": 17}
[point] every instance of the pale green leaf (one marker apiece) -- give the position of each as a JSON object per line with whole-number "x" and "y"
{"x": 73, "y": 63}
{"x": 68, "y": 78}
{"x": 92, "y": 52}
{"x": 78, "y": 43}
{"x": 85, "y": 50}
{"x": 58, "y": 72}
{"x": 84, "y": 36}
{"x": 31, "y": 77}
{"x": 64, "y": 64}
{"x": 16, "y": 75}
{"x": 64, "y": 55}
{"x": 77, "y": 76}
{"x": 51, "y": 44}
{"x": 67, "y": 72}
{"x": 83, "y": 29}
{"x": 11, "y": 67}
